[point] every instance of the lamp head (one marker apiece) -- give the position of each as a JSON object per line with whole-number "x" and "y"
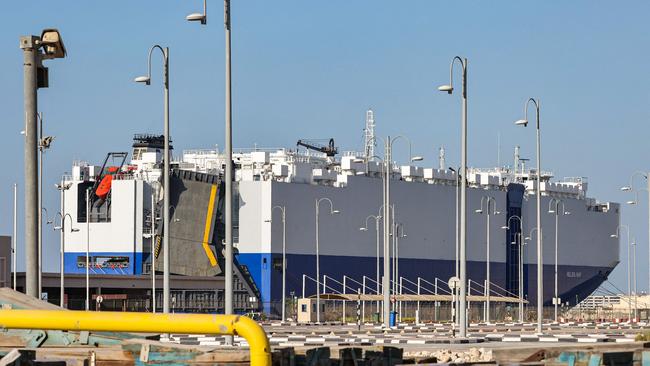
{"x": 358, "y": 160}
{"x": 551, "y": 211}
{"x": 52, "y": 44}
{"x": 497, "y": 212}
{"x": 74, "y": 230}
{"x": 522, "y": 122}
{"x": 567, "y": 212}
{"x": 417, "y": 158}
{"x": 478, "y": 211}
{"x": 626, "y": 188}
{"x": 143, "y": 79}
{"x": 631, "y": 202}
{"x": 197, "y": 17}
{"x": 504, "y": 227}
{"x": 334, "y": 212}
{"x": 613, "y": 236}
{"x": 527, "y": 238}
{"x": 446, "y": 88}
{"x": 363, "y": 229}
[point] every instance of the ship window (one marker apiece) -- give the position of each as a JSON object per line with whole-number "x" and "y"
{"x": 137, "y": 154}
{"x": 303, "y": 308}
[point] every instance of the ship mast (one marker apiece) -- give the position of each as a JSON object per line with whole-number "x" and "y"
{"x": 369, "y": 135}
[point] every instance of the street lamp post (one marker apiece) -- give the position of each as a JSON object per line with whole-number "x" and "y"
{"x": 540, "y": 268}
{"x": 44, "y": 143}
{"x": 14, "y": 242}
{"x": 617, "y": 235}
{"x": 647, "y": 189}
{"x": 228, "y": 252}
{"x": 332, "y": 212}
{"x": 636, "y": 312}
{"x": 62, "y": 250}
{"x": 35, "y": 50}
{"x": 283, "y": 210}
{"x": 554, "y": 209}
{"x": 490, "y": 209}
{"x": 365, "y": 228}
{"x": 63, "y": 187}
{"x": 520, "y": 266}
{"x": 388, "y": 143}
{"x": 166, "y": 188}
{"x": 463, "y": 192}
{"x": 88, "y": 206}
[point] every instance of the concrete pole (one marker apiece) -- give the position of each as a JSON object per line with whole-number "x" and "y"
{"x": 317, "y": 270}
{"x": 521, "y": 276}
{"x": 487, "y": 283}
{"x": 386, "y": 276}
{"x": 377, "y": 279}
{"x": 88, "y": 206}
{"x": 284, "y": 262}
{"x": 555, "y": 300}
{"x": 648, "y": 188}
{"x": 634, "y": 279}
{"x": 166, "y": 189}
{"x": 14, "y": 240}
{"x": 62, "y": 251}
{"x": 540, "y": 251}
{"x": 31, "y": 61}
{"x": 229, "y": 173}
{"x": 463, "y": 212}
{"x": 40, "y": 204}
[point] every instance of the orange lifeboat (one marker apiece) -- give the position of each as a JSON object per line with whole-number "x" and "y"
{"x": 104, "y": 187}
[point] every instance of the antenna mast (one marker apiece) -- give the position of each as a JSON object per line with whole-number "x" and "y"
{"x": 369, "y": 135}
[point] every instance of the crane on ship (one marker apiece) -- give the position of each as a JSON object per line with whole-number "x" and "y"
{"x": 319, "y": 145}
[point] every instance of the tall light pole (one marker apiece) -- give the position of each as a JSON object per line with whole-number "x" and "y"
{"x": 647, "y": 189}
{"x": 332, "y": 212}
{"x": 44, "y": 143}
{"x": 617, "y": 235}
{"x": 203, "y": 19}
{"x": 456, "y": 232}
{"x": 388, "y": 147}
{"x": 14, "y": 242}
{"x": 554, "y": 209}
{"x": 634, "y": 277}
{"x": 365, "y": 228}
{"x": 490, "y": 209}
{"x": 166, "y": 188}
{"x": 463, "y": 192}
{"x": 63, "y": 187}
{"x": 520, "y": 259}
{"x": 62, "y": 253}
{"x": 88, "y": 206}
{"x": 153, "y": 252}
{"x": 538, "y": 191}
{"x": 283, "y": 211}
{"x": 35, "y": 49}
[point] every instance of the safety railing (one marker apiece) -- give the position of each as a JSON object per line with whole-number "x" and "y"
{"x": 260, "y": 350}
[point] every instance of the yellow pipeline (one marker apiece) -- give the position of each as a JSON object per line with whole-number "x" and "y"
{"x": 105, "y": 321}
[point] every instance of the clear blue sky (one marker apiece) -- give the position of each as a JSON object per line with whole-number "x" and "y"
{"x": 310, "y": 69}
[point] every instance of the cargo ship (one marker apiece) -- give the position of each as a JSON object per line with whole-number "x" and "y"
{"x": 116, "y": 209}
